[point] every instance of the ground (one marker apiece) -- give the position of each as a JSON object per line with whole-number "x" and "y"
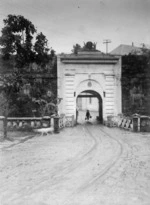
{"x": 86, "y": 165}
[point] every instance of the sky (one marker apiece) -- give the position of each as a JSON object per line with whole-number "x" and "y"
{"x": 67, "y": 22}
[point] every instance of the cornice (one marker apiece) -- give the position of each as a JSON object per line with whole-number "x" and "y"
{"x": 89, "y": 59}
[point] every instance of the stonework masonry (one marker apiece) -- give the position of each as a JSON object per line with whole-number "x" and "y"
{"x": 89, "y": 71}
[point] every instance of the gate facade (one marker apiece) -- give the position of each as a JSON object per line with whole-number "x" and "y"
{"x": 93, "y": 71}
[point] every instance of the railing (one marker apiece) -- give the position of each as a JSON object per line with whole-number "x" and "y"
{"x": 126, "y": 123}
{"x": 141, "y": 123}
{"x": 58, "y": 122}
{"x": 69, "y": 121}
{"x": 26, "y": 122}
{"x": 119, "y": 121}
{"x": 136, "y": 123}
{"x": 62, "y": 121}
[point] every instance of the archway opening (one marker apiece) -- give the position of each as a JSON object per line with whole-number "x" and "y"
{"x": 92, "y": 101}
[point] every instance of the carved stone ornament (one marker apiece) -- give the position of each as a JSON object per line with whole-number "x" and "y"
{"x": 89, "y": 46}
{"x": 89, "y": 84}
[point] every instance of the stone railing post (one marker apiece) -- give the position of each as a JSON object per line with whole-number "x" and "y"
{"x": 2, "y": 119}
{"x": 145, "y": 124}
{"x": 56, "y": 124}
{"x": 136, "y": 123}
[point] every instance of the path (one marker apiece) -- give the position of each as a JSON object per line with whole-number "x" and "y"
{"x": 88, "y": 164}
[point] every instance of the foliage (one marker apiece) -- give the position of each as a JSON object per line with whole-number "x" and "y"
{"x": 23, "y": 86}
{"x": 89, "y": 46}
{"x": 76, "y": 48}
{"x": 17, "y": 39}
{"x": 135, "y": 83}
{"x": 9, "y": 90}
{"x": 39, "y": 101}
{"x": 41, "y": 49}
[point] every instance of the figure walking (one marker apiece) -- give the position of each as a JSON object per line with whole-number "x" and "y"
{"x": 88, "y": 116}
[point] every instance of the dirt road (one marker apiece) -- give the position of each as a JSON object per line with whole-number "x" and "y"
{"x": 88, "y": 164}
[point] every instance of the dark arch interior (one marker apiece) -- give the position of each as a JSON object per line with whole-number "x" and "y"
{"x": 92, "y": 94}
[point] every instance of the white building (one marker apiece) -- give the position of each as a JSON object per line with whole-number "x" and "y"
{"x": 93, "y": 74}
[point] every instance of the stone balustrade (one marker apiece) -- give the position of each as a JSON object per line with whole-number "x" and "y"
{"x": 136, "y": 123}
{"x": 141, "y": 123}
{"x": 69, "y": 121}
{"x": 126, "y": 123}
{"x": 119, "y": 121}
{"x": 16, "y": 123}
{"x": 62, "y": 121}
{"x": 27, "y": 122}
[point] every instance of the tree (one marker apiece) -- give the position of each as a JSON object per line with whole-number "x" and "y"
{"x": 16, "y": 39}
{"x": 17, "y": 42}
{"x": 76, "y": 48}
{"x": 135, "y": 83}
{"x": 11, "y": 85}
{"x": 88, "y": 46}
{"x": 41, "y": 49}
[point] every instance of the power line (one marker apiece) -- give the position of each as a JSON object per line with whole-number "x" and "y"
{"x": 106, "y": 41}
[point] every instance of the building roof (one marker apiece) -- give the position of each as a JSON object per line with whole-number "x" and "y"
{"x": 89, "y": 57}
{"x": 126, "y": 49}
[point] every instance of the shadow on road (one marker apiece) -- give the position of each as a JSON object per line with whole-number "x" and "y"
{"x": 20, "y": 141}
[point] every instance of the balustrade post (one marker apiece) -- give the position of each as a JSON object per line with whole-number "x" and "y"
{"x": 2, "y": 119}
{"x": 56, "y": 124}
{"x": 145, "y": 124}
{"x": 135, "y": 124}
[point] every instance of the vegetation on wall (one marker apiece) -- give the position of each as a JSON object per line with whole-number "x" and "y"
{"x": 136, "y": 83}
{"x": 88, "y": 46}
{"x": 33, "y": 71}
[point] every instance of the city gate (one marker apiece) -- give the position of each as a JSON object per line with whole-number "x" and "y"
{"x": 93, "y": 72}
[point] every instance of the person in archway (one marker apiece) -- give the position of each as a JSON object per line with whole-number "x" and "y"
{"x": 88, "y": 116}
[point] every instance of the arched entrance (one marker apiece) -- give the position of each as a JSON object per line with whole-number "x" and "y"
{"x": 89, "y": 72}
{"x": 92, "y": 92}
{"x": 92, "y": 101}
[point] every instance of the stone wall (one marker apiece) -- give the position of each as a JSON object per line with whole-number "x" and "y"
{"x": 89, "y": 71}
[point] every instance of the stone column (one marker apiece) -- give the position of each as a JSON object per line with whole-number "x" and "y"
{"x": 56, "y": 124}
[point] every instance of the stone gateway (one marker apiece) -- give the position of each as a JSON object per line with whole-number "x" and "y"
{"x": 93, "y": 73}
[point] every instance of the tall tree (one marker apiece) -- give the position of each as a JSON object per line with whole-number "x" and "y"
{"x": 16, "y": 39}
{"x": 41, "y": 49}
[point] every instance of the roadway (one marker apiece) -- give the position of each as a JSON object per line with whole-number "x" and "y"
{"x": 89, "y": 164}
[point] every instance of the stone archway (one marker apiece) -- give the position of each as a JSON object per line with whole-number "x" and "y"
{"x": 96, "y": 106}
{"x": 94, "y": 88}
{"x": 91, "y": 85}
{"x": 92, "y": 71}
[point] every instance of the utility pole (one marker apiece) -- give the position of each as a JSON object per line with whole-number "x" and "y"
{"x": 106, "y": 42}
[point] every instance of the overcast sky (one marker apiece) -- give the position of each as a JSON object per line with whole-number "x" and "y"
{"x": 67, "y": 22}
